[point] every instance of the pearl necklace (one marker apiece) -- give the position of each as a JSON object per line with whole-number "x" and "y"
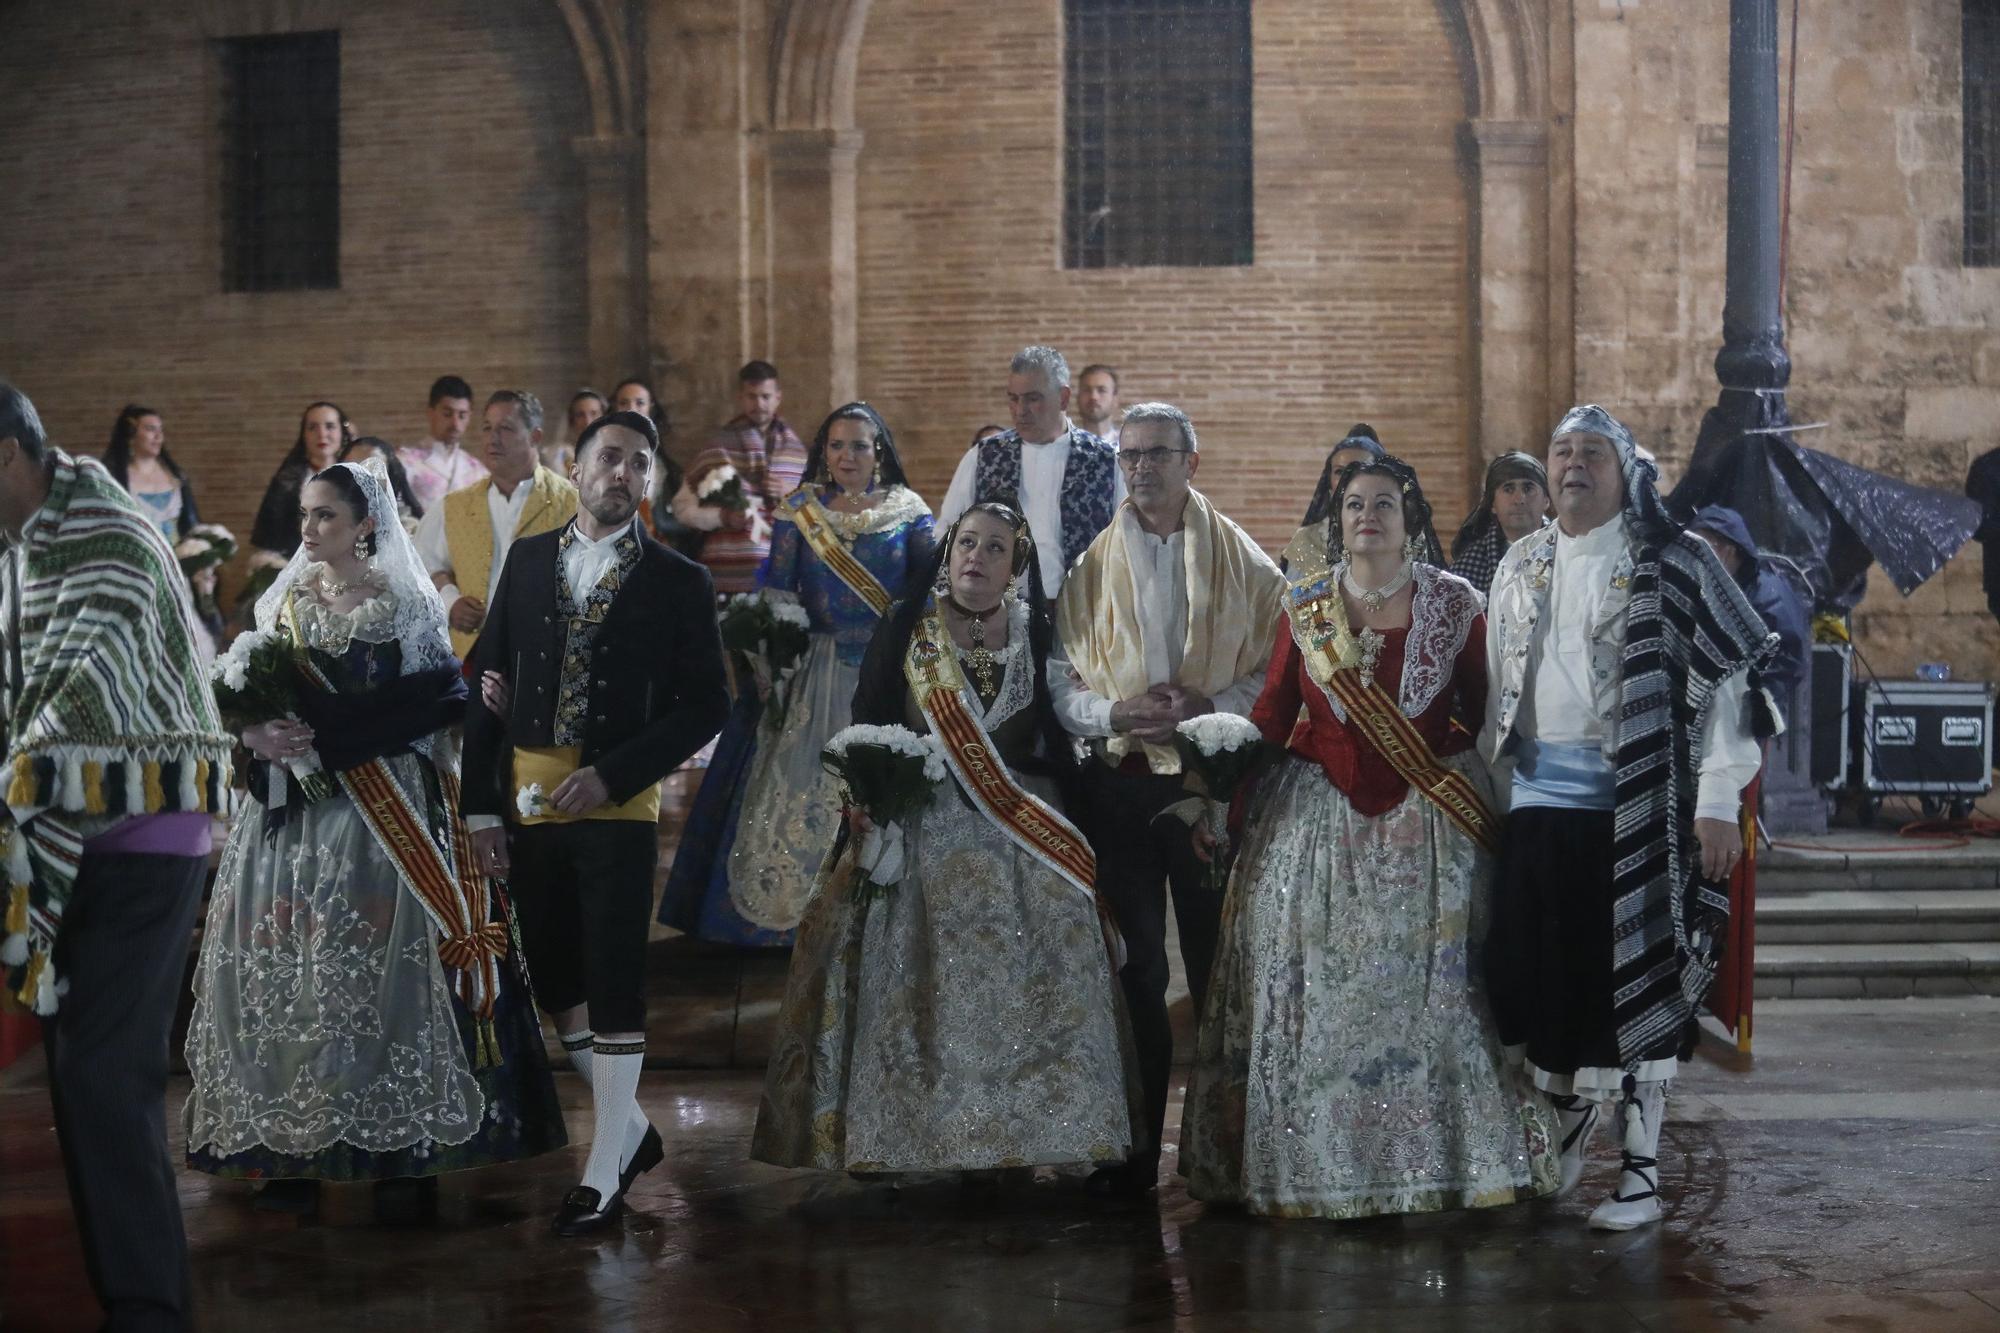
{"x": 1375, "y": 598}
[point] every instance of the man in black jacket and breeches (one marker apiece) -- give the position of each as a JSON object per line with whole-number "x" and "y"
{"x": 603, "y": 672}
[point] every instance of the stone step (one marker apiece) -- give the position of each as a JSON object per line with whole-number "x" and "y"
{"x": 1877, "y": 916}
{"x": 1867, "y": 861}
{"x": 1845, "y": 971}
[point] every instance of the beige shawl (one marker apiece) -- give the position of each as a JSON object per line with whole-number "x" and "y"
{"x": 1235, "y": 595}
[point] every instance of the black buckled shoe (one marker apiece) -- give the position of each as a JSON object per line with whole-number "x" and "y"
{"x": 584, "y": 1211}
{"x": 649, "y": 1154}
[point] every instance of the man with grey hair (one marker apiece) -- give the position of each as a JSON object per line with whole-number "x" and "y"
{"x": 1062, "y": 478}
{"x": 117, "y": 766}
{"x": 1169, "y": 614}
{"x": 464, "y": 541}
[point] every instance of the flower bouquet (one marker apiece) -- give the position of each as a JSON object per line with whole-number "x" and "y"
{"x": 206, "y": 548}
{"x": 890, "y": 773}
{"x": 1218, "y": 751}
{"x": 723, "y": 488}
{"x": 255, "y": 681}
{"x": 773, "y": 633}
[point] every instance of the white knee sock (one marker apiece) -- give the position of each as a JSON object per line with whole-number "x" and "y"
{"x": 614, "y": 1087}
{"x": 577, "y": 1045}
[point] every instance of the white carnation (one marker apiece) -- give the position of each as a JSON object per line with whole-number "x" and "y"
{"x": 899, "y": 740}
{"x": 233, "y": 667}
{"x": 790, "y": 613}
{"x": 1213, "y": 733}
{"x": 713, "y": 483}
{"x": 531, "y": 801}
{"x": 934, "y": 770}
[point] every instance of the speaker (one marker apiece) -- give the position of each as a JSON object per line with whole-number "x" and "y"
{"x": 1832, "y": 687}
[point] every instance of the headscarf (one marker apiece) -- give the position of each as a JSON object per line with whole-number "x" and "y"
{"x": 1643, "y": 507}
{"x": 1361, "y": 436}
{"x": 1510, "y": 466}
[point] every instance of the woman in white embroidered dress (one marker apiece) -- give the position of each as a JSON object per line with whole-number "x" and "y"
{"x": 329, "y": 1040}
{"x": 1347, "y": 1064}
{"x": 965, "y": 1018}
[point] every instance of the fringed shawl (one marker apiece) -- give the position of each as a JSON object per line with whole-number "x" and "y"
{"x": 115, "y": 715}
{"x": 1688, "y": 629}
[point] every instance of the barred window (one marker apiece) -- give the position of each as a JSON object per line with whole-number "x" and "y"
{"x": 281, "y": 162}
{"x": 1157, "y": 133}
{"x": 1981, "y": 20}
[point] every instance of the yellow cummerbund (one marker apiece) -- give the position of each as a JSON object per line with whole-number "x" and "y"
{"x": 549, "y": 765}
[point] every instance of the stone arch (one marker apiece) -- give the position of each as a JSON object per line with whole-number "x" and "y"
{"x": 1520, "y": 334}
{"x": 614, "y": 231}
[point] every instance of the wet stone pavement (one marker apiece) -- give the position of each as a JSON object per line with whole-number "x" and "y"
{"x": 1847, "y": 1180}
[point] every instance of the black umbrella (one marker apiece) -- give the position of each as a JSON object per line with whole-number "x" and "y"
{"x": 1829, "y": 516}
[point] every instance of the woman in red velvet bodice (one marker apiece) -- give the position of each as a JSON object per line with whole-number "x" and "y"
{"x": 1448, "y": 723}
{"x": 1347, "y": 1063}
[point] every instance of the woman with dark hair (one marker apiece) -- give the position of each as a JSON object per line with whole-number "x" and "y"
{"x": 844, "y": 546}
{"x": 359, "y": 1014}
{"x": 138, "y": 459}
{"x": 966, "y": 1017}
{"x": 1361, "y": 444}
{"x": 1346, "y": 1017}
{"x": 1515, "y": 503}
{"x": 408, "y": 508}
{"x": 585, "y": 406}
{"x": 323, "y": 430}
{"x": 274, "y": 536}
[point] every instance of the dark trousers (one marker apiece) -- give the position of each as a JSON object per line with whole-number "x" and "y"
{"x": 1549, "y": 944}
{"x": 1138, "y": 863}
{"x": 584, "y": 896}
{"x": 124, "y": 950}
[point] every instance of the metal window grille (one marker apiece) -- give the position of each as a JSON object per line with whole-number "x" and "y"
{"x": 281, "y": 162}
{"x": 1981, "y": 20}
{"x": 1157, "y": 133}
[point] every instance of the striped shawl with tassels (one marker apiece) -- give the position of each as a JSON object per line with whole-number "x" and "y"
{"x": 1688, "y": 628}
{"x": 113, "y": 716}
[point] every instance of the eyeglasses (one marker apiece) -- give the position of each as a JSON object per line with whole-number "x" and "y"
{"x": 1153, "y": 458}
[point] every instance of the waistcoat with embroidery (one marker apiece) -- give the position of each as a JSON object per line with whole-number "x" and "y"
{"x": 1088, "y": 485}
{"x": 581, "y": 624}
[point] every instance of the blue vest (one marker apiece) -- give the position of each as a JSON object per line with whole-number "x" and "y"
{"x": 1088, "y": 485}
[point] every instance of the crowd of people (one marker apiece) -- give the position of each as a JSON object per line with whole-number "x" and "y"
{"x": 1463, "y": 906}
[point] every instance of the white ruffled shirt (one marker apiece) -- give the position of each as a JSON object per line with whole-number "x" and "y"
{"x": 1567, "y": 699}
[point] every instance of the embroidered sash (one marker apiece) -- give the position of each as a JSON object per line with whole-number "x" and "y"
{"x": 931, "y": 668}
{"x": 1333, "y": 658}
{"x": 817, "y": 529}
{"x": 454, "y": 895}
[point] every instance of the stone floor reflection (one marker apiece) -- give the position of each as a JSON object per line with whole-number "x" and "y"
{"x": 1847, "y": 1181}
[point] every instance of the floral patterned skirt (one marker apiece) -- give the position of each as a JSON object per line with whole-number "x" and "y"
{"x": 964, "y": 1019}
{"x": 1347, "y": 1063}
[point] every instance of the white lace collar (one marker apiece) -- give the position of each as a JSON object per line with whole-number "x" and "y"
{"x": 1442, "y": 609}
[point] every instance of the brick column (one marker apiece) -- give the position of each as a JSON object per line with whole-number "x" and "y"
{"x": 615, "y": 291}
{"x": 814, "y": 295}
{"x": 1511, "y": 329}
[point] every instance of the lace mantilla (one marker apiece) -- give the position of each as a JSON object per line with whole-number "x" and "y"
{"x": 1017, "y": 685}
{"x": 1442, "y": 609}
{"x": 898, "y": 505}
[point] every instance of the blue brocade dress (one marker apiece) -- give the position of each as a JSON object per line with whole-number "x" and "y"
{"x": 766, "y": 813}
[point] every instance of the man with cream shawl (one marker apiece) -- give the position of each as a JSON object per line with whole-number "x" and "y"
{"x": 1169, "y": 614}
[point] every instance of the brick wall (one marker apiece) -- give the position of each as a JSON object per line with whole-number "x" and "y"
{"x": 461, "y": 234}
{"x": 1894, "y": 345}
{"x": 1356, "y": 307}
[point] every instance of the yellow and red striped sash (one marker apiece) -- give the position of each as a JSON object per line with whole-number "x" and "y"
{"x": 1332, "y": 658}
{"x": 455, "y": 896}
{"x": 931, "y": 668}
{"x": 817, "y": 529}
